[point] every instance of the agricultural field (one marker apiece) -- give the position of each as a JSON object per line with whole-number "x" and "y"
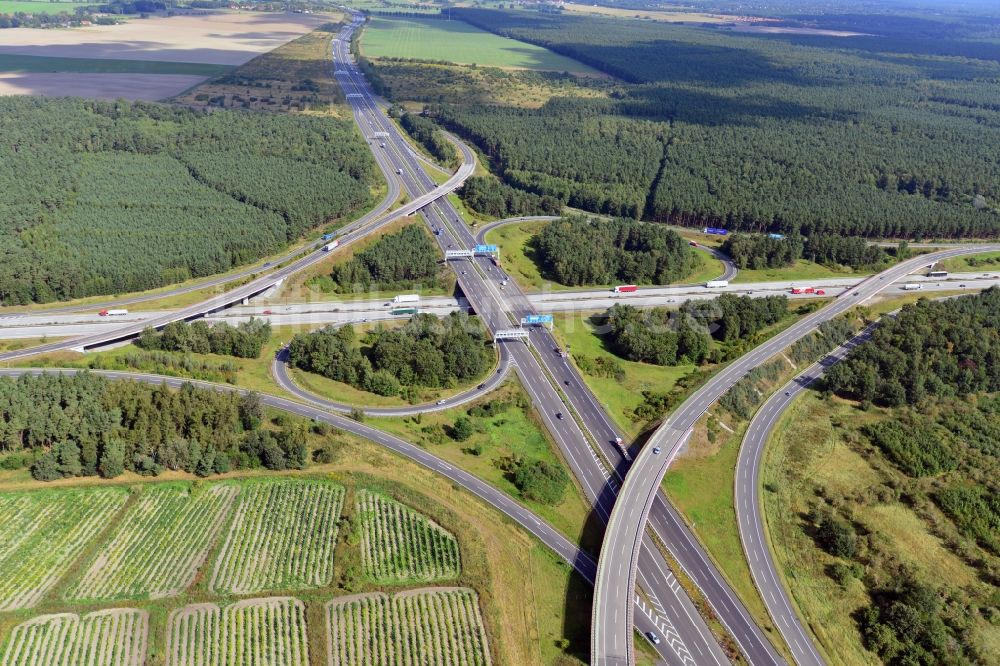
{"x": 459, "y": 43}
{"x": 401, "y": 545}
{"x": 158, "y": 545}
{"x": 12, "y": 62}
{"x": 112, "y": 637}
{"x": 255, "y": 632}
{"x": 282, "y": 537}
{"x": 428, "y": 626}
{"x": 38, "y": 7}
{"x": 198, "y": 46}
{"x": 42, "y": 533}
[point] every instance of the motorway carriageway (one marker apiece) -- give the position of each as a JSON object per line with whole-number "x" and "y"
{"x": 621, "y": 550}
{"x": 684, "y": 633}
{"x": 31, "y": 325}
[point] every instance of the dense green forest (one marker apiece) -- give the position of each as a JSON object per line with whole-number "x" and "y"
{"x": 705, "y": 127}
{"x": 578, "y": 251}
{"x": 931, "y": 348}
{"x": 83, "y": 425}
{"x": 398, "y": 260}
{"x": 425, "y": 352}
{"x": 245, "y": 340}
{"x": 112, "y": 197}
{"x": 668, "y": 337}
{"x": 426, "y": 132}
{"x": 936, "y": 446}
{"x": 493, "y": 197}
{"x": 756, "y": 251}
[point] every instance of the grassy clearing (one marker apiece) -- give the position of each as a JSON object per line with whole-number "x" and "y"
{"x": 514, "y": 432}
{"x": 818, "y": 451}
{"x": 459, "y": 43}
{"x": 800, "y": 270}
{"x": 38, "y": 7}
{"x": 10, "y": 62}
{"x": 987, "y": 261}
{"x": 651, "y": 15}
{"x": 521, "y": 262}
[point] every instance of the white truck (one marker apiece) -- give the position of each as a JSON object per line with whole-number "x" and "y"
{"x": 331, "y": 246}
{"x": 717, "y": 284}
{"x": 911, "y": 286}
{"x": 113, "y": 313}
{"x": 406, "y": 298}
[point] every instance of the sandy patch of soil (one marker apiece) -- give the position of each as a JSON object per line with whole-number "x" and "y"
{"x": 220, "y": 39}
{"x": 148, "y": 87}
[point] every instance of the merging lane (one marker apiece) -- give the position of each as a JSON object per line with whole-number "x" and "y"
{"x": 622, "y": 541}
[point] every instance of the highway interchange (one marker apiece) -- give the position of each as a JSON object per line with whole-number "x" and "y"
{"x": 630, "y": 560}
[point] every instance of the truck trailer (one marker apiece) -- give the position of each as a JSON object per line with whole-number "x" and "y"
{"x": 912, "y": 286}
{"x": 331, "y": 246}
{"x": 406, "y": 298}
{"x": 113, "y": 313}
{"x": 717, "y": 284}
{"x": 625, "y": 288}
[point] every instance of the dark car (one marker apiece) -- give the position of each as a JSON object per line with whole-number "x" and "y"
{"x": 558, "y": 415}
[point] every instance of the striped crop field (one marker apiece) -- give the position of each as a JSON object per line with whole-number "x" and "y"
{"x": 282, "y": 537}
{"x": 113, "y": 637}
{"x": 158, "y": 545}
{"x": 43, "y": 532}
{"x": 254, "y": 632}
{"x": 432, "y": 626}
{"x": 400, "y": 545}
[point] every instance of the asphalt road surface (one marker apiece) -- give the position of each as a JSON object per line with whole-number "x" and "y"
{"x": 685, "y": 636}
{"x": 622, "y": 547}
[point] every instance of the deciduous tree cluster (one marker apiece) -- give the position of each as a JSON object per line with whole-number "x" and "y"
{"x": 396, "y": 260}
{"x": 244, "y": 340}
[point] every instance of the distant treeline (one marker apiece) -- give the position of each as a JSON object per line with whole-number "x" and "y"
{"x": 750, "y": 133}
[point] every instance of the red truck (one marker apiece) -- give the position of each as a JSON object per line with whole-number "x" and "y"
{"x": 625, "y": 288}
{"x": 807, "y": 290}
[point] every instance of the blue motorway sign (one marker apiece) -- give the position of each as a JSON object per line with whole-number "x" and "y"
{"x": 487, "y": 249}
{"x": 537, "y": 319}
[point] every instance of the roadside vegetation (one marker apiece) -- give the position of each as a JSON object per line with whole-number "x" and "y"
{"x": 293, "y": 78}
{"x": 400, "y": 260}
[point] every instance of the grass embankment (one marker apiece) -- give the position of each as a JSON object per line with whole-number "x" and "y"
{"x": 536, "y": 609}
{"x": 459, "y": 43}
{"x": 987, "y": 261}
{"x": 800, "y": 270}
{"x": 520, "y": 260}
{"x": 579, "y": 334}
{"x": 514, "y": 433}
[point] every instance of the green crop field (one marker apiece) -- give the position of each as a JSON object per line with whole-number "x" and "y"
{"x": 255, "y": 632}
{"x": 282, "y": 537}
{"x": 460, "y": 43}
{"x": 428, "y": 626}
{"x": 112, "y": 637}
{"x": 158, "y": 546}
{"x": 399, "y": 544}
{"x": 41, "y": 533}
{"x": 14, "y": 6}
{"x": 11, "y": 62}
